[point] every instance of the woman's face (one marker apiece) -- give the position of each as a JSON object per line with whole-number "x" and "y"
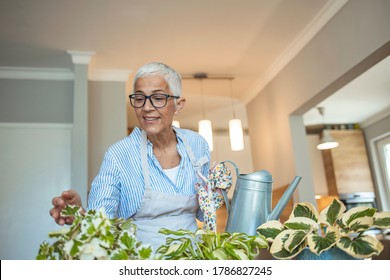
{"x": 156, "y": 120}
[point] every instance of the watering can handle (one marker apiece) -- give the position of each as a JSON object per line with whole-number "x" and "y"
{"x": 225, "y": 197}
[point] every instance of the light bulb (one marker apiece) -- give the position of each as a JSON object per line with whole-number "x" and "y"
{"x": 236, "y": 135}
{"x": 206, "y": 131}
{"x": 327, "y": 141}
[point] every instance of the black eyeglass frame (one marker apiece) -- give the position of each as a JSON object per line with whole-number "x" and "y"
{"x": 167, "y": 96}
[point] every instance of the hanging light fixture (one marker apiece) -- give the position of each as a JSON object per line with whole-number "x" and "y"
{"x": 204, "y": 125}
{"x": 205, "y": 129}
{"x": 235, "y": 128}
{"x": 326, "y": 141}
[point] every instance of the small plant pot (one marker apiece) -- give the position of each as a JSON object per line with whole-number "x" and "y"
{"x": 331, "y": 254}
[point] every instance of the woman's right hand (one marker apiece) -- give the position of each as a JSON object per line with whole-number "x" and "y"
{"x": 69, "y": 197}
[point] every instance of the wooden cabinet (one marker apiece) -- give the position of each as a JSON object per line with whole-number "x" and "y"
{"x": 347, "y": 167}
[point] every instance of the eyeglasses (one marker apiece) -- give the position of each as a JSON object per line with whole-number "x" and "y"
{"x": 158, "y": 100}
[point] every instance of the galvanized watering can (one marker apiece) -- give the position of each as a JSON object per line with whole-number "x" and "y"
{"x": 252, "y": 201}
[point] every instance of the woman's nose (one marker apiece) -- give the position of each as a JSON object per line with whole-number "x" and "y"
{"x": 148, "y": 105}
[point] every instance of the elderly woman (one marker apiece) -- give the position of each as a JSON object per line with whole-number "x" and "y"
{"x": 151, "y": 174}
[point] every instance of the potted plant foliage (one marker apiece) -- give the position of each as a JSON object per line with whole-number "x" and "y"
{"x": 94, "y": 236}
{"x": 334, "y": 228}
{"x": 210, "y": 245}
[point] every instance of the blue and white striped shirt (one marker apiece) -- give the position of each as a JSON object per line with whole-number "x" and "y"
{"x": 119, "y": 186}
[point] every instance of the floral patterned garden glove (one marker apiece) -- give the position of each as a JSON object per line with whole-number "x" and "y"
{"x": 210, "y": 193}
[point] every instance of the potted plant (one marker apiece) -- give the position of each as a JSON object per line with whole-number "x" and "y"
{"x": 332, "y": 229}
{"x": 93, "y": 235}
{"x": 210, "y": 245}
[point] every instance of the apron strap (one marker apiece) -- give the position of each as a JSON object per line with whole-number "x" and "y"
{"x": 196, "y": 164}
{"x": 144, "y": 159}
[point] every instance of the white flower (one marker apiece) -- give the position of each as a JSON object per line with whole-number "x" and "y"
{"x": 93, "y": 250}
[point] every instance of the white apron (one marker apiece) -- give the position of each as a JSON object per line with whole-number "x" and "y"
{"x": 164, "y": 210}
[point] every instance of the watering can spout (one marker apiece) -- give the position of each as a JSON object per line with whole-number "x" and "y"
{"x": 275, "y": 214}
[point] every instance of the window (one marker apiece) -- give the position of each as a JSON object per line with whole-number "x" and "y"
{"x": 381, "y": 149}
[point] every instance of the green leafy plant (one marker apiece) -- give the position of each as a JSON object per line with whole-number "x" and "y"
{"x": 94, "y": 236}
{"x": 210, "y": 245}
{"x": 332, "y": 228}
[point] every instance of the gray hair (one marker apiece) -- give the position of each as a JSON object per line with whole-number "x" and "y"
{"x": 172, "y": 77}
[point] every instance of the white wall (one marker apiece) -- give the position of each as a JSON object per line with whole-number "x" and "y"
{"x": 34, "y": 167}
{"x": 319, "y": 178}
{"x": 36, "y": 151}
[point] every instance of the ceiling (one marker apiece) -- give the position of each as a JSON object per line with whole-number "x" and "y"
{"x": 361, "y": 101}
{"x": 250, "y": 41}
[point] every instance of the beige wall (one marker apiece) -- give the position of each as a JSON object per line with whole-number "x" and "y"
{"x": 107, "y": 118}
{"x": 357, "y": 30}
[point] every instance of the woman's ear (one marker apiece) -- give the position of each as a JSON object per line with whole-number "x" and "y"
{"x": 179, "y": 105}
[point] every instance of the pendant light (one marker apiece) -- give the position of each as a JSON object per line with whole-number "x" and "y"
{"x": 204, "y": 125}
{"x": 326, "y": 141}
{"x": 235, "y": 128}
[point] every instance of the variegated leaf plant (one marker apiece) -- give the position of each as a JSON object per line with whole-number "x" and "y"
{"x": 210, "y": 245}
{"x": 333, "y": 227}
{"x": 94, "y": 236}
